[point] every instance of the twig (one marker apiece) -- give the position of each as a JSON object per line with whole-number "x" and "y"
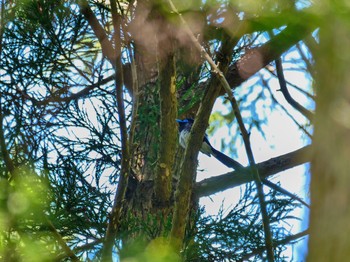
{"x": 284, "y": 241}
{"x": 63, "y": 244}
{"x": 286, "y": 111}
{"x": 87, "y": 246}
{"x": 257, "y": 179}
{"x": 309, "y": 66}
{"x": 307, "y": 94}
{"x": 286, "y": 93}
{"x": 10, "y": 167}
{"x": 284, "y": 191}
{"x": 81, "y": 93}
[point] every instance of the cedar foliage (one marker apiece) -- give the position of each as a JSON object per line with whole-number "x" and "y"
{"x": 60, "y": 127}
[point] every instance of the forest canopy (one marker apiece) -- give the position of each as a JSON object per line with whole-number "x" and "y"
{"x": 92, "y": 95}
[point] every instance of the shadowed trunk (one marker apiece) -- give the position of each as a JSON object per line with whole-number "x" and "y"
{"x": 330, "y": 194}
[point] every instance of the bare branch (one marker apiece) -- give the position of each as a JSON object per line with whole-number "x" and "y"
{"x": 310, "y": 68}
{"x": 286, "y": 93}
{"x": 256, "y": 176}
{"x": 267, "y": 168}
{"x": 258, "y": 58}
{"x": 286, "y": 111}
{"x": 311, "y": 96}
{"x": 107, "y": 47}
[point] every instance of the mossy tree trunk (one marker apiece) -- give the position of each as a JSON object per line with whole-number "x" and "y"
{"x": 149, "y": 199}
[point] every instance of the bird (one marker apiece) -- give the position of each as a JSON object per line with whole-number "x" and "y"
{"x": 185, "y": 126}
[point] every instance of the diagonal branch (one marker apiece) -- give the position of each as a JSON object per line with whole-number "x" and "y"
{"x": 284, "y": 191}
{"x": 267, "y": 168}
{"x": 256, "y": 176}
{"x": 286, "y": 93}
{"x": 286, "y": 111}
{"x": 285, "y": 241}
{"x": 69, "y": 253}
{"x": 189, "y": 163}
{"x": 107, "y": 47}
{"x": 257, "y": 58}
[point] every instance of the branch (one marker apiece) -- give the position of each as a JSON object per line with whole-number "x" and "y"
{"x": 82, "y": 93}
{"x": 189, "y": 163}
{"x": 54, "y": 98}
{"x": 309, "y": 66}
{"x": 307, "y": 94}
{"x": 87, "y": 246}
{"x": 284, "y": 241}
{"x": 257, "y": 58}
{"x": 256, "y": 176}
{"x": 113, "y": 225}
{"x": 10, "y": 167}
{"x": 286, "y": 94}
{"x": 267, "y": 168}
{"x": 285, "y": 110}
{"x": 284, "y": 191}
{"x": 107, "y": 47}
{"x": 68, "y": 252}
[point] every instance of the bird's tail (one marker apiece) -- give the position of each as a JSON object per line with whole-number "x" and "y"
{"x": 226, "y": 160}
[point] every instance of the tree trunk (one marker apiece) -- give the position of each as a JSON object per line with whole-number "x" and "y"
{"x": 150, "y": 195}
{"x": 330, "y": 194}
